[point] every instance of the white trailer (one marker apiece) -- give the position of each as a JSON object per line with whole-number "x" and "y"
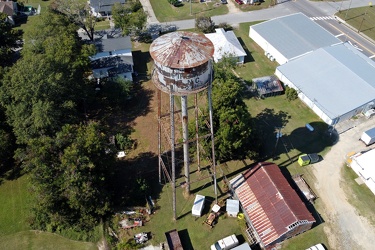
{"x": 198, "y": 205}
{"x": 368, "y": 137}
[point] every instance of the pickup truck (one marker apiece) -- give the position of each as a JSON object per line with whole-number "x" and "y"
{"x": 226, "y": 243}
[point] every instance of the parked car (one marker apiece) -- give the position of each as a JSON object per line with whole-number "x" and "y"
{"x": 317, "y": 247}
{"x": 239, "y": 2}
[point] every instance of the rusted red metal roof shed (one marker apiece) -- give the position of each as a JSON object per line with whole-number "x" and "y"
{"x": 272, "y": 207}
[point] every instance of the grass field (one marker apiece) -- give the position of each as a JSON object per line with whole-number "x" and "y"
{"x": 15, "y": 206}
{"x": 360, "y": 196}
{"x": 36, "y": 240}
{"x": 15, "y": 233}
{"x": 361, "y": 19}
{"x": 165, "y": 12}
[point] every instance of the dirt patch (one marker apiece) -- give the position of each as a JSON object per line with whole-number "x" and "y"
{"x": 345, "y": 229}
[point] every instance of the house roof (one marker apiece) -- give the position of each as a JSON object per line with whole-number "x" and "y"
{"x": 111, "y": 66}
{"x": 104, "y": 5}
{"x": 225, "y": 43}
{"x": 233, "y": 206}
{"x": 338, "y": 79}
{"x": 7, "y": 8}
{"x": 268, "y": 85}
{"x": 294, "y": 35}
{"x": 113, "y": 44}
{"x": 269, "y": 201}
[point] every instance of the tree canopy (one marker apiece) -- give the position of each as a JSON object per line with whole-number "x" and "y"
{"x": 43, "y": 90}
{"x": 70, "y": 177}
{"x": 232, "y": 122}
{"x": 8, "y": 40}
{"x": 79, "y": 13}
{"x": 204, "y": 24}
{"x": 130, "y": 17}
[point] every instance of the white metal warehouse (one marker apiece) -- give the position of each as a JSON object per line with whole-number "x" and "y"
{"x": 288, "y": 37}
{"x": 336, "y": 82}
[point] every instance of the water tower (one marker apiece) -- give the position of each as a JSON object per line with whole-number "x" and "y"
{"x": 182, "y": 67}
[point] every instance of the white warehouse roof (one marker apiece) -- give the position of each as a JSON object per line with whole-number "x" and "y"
{"x": 338, "y": 79}
{"x": 225, "y": 43}
{"x": 291, "y": 36}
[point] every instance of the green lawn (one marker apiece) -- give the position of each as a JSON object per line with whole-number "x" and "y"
{"x": 362, "y": 19}
{"x": 36, "y": 240}
{"x": 166, "y": 12}
{"x": 15, "y": 233}
{"x": 194, "y": 233}
{"x": 360, "y": 196}
{"x": 15, "y": 206}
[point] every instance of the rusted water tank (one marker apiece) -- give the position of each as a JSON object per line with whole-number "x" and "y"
{"x": 182, "y": 62}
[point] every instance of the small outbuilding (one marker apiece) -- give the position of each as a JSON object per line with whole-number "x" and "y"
{"x": 233, "y": 207}
{"x": 268, "y": 86}
{"x": 198, "y": 205}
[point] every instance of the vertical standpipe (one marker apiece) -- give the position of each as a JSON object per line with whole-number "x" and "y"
{"x": 171, "y": 102}
{"x": 185, "y": 138}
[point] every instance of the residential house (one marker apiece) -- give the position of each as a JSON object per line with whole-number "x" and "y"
{"x": 226, "y": 44}
{"x": 10, "y": 9}
{"x": 272, "y": 208}
{"x": 101, "y": 8}
{"x": 113, "y": 58}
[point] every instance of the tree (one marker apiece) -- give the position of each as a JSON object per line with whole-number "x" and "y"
{"x": 130, "y": 17}
{"x": 7, "y": 144}
{"x": 70, "y": 174}
{"x": 79, "y": 13}
{"x": 291, "y": 94}
{"x": 8, "y": 40}
{"x": 44, "y": 89}
{"x": 232, "y": 121}
{"x": 204, "y": 24}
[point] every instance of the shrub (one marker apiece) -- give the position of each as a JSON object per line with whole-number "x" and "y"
{"x": 291, "y": 94}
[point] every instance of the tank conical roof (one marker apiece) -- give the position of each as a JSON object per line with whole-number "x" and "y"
{"x": 182, "y": 49}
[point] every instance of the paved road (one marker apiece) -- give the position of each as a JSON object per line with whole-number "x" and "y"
{"x": 313, "y": 9}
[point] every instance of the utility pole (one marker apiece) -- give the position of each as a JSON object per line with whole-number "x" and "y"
{"x": 346, "y": 15}
{"x": 191, "y": 3}
{"x": 363, "y": 19}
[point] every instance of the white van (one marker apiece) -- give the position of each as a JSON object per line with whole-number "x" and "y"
{"x": 225, "y": 243}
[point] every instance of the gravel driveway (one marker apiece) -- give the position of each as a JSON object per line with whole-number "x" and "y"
{"x": 346, "y": 230}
